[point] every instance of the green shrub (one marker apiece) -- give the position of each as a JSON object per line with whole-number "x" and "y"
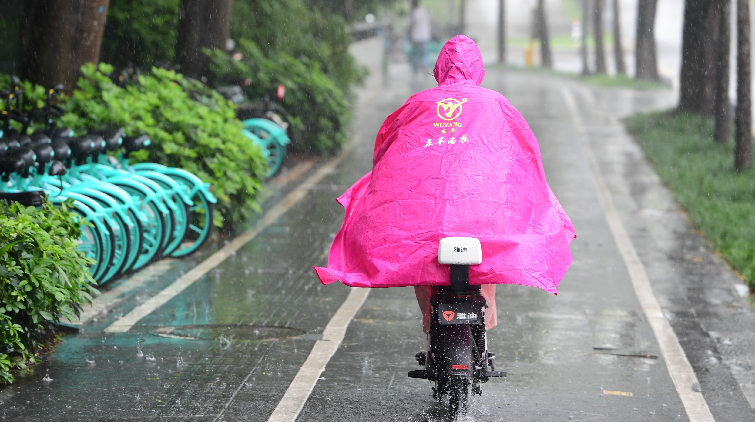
{"x": 320, "y": 108}
{"x": 43, "y": 276}
{"x": 192, "y": 127}
{"x": 719, "y": 200}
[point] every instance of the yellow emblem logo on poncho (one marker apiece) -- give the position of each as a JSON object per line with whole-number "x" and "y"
{"x": 450, "y": 108}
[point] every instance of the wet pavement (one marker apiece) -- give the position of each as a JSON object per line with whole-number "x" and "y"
{"x": 229, "y": 345}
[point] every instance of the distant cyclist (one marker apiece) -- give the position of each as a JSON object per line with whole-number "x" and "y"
{"x": 455, "y": 160}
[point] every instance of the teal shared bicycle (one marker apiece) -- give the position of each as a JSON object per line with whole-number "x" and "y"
{"x": 137, "y": 213}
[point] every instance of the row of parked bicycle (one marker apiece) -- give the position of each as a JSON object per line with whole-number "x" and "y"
{"x": 138, "y": 213}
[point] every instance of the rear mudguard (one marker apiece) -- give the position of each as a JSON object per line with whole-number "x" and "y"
{"x": 174, "y": 186}
{"x": 197, "y": 185}
{"x": 275, "y": 131}
{"x": 459, "y": 348}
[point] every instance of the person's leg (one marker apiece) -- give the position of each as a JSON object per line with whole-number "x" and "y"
{"x": 424, "y": 293}
{"x": 491, "y": 313}
{"x": 416, "y": 57}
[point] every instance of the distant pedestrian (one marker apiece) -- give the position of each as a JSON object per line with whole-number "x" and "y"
{"x": 420, "y": 33}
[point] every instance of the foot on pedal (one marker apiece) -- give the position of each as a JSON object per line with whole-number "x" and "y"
{"x": 495, "y": 374}
{"x": 421, "y": 358}
{"x": 419, "y": 373}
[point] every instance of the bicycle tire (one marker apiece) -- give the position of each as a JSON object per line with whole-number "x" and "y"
{"x": 137, "y": 242}
{"x": 91, "y": 240}
{"x": 122, "y": 248}
{"x": 458, "y": 396}
{"x": 276, "y": 154}
{"x": 154, "y": 233}
{"x": 200, "y": 222}
{"x": 179, "y": 215}
{"x": 110, "y": 248}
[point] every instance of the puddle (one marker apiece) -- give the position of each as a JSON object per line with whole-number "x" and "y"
{"x": 238, "y": 332}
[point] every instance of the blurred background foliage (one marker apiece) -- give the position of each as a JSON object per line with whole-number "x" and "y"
{"x": 140, "y": 32}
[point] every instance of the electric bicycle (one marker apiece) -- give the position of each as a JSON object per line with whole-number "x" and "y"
{"x": 458, "y": 358}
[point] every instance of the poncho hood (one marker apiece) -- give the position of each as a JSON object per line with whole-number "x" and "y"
{"x": 459, "y": 61}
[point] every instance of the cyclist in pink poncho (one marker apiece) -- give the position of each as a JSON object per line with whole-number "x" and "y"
{"x": 454, "y": 160}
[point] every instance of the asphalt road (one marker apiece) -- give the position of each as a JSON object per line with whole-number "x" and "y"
{"x": 229, "y": 346}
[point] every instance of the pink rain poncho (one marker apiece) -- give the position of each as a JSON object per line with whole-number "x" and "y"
{"x": 455, "y": 160}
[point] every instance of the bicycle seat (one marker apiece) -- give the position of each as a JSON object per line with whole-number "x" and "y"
{"x": 460, "y": 251}
{"x": 24, "y": 141}
{"x": 40, "y": 138}
{"x": 136, "y": 143}
{"x": 57, "y": 169}
{"x": 12, "y": 164}
{"x": 64, "y": 132}
{"x": 27, "y": 199}
{"x": 11, "y": 143}
{"x": 61, "y": 149}
{"x": 98, "y": 144}
{"x": 113, "y": 138}
{"x": 44, "y": 152}
{"x": 24, "y": 153}
{"x": 81, "y": 147}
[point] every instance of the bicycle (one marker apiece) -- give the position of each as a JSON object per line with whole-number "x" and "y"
{"x": 458, "y": 357}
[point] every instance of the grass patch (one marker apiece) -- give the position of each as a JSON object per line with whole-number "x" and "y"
{"x": 574, "y": 11}
{"x": 623, "y": 81}
{"x": 562, "y": 42}
{"x": 719, "y": 200}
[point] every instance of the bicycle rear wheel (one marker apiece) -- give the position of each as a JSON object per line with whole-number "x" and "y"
{"x": 91, "y": 241}
{"x": 154, "y": 232}
{"x": 199, "y": 220}
{"x": 458, "y": 395}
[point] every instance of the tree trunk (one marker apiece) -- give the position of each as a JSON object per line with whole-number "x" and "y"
{"x": 585, "y": 33}
{"x": 462, "y": 16}
{"x": 600, "y": 52}
{"x": 502, "y": 31}
{"x": 202, "y": 24}
{"x": 692, "y": 74}
{"x": 348, "y": 10}
{"x": 721, "y": 111}
{"x": 743, "y": 116}
{"x": 646, "y": 66}
{"x": 618, "y": 50}
{"x": 545, "y": 46}
{"x": 57, "y": 37}
{"x": 710, "y": 57}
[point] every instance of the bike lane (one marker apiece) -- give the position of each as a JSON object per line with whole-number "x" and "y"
{"x": 589, "y": 353}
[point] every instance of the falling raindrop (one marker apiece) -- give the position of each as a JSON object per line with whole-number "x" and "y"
{"x": 139, "y": 352}
{"x": 47, "y": 378}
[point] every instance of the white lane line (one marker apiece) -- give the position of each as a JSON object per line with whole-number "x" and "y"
{"x": 243, "y": 383}
{"x": 678, "y": 366}
{"x": 110, "y": 298}
{"x": 301, "y": 387}
{"x": 124, "y": 324}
